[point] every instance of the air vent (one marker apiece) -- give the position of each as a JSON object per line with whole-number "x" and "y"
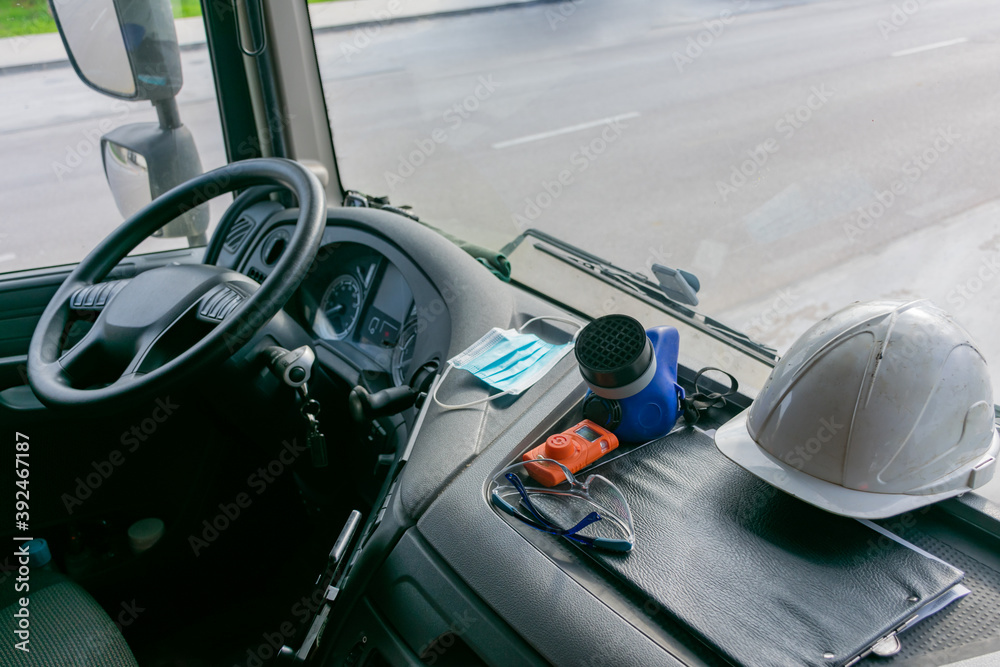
{"x": 237, "y": 234}
{"x": 273, "y": 247}
{"x": 256, "y": 274}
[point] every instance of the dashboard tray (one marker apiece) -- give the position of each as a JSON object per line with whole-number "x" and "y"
{"x": 757, "y": 575}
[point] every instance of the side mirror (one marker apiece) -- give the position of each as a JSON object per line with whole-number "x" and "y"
{"x": 128, "y": 49}
{"x": 678, "y": 284}
{"x": 122, "y": 48}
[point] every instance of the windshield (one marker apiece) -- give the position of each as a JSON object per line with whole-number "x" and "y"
{"x": 56, "y": 203}
{"x": 795, "y": 156}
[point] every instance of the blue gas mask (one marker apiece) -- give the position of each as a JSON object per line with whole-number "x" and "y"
{"x": 632, "y": 375}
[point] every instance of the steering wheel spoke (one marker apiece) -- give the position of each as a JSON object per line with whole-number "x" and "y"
{"x": 86, "y": 360}
{"x": 101, "y": 358}
{"x": 147, "y": 359}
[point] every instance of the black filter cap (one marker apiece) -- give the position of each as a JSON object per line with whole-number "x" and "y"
{"x": 613, "y": 351}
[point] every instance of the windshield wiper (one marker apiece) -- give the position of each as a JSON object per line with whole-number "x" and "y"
{"x": 641, "y": 287}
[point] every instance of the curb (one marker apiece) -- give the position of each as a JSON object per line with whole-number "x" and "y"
{"x": 64, "y": 62}
{"x": 194, "y": 34}
{"x": 464, "y": 11}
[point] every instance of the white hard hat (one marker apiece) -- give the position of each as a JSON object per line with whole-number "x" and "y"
{"x": 878, "y": 409}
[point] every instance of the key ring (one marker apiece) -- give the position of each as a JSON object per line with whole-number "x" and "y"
{"x": 310, "y": 409}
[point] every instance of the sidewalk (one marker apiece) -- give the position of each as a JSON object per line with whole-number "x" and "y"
{"x": 29, "y": 51}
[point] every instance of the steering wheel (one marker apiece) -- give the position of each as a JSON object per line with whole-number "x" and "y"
{"x": 141, "y": 339}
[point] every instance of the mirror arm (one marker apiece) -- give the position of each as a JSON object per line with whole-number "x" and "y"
{"x": 167, "y": 113}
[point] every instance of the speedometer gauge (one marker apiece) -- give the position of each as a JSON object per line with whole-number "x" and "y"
{"x": 341, "y": 304}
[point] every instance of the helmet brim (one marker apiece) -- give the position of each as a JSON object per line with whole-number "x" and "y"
{"x": 734, "y": 440}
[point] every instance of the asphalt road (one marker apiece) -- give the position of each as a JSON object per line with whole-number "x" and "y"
{"x": 742, "y": 148}
{"x": 824, "y": 106}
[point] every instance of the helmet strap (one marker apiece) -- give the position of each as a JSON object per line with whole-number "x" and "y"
{"x": 701, "y": 400}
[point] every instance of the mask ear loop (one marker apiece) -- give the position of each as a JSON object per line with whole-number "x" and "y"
{"x": 493, "y": 397}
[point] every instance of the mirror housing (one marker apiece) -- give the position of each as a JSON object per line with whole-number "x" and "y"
{"x": 128, "y": 49}
{"x": 678, "y": 284}
{"x": 144, "y": 160}
{"x": 135, "y": 56}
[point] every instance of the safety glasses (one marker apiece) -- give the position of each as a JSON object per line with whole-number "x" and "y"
{"x": 593, "y": 513}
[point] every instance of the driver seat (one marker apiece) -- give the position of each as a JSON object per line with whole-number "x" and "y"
{"x": 67, "y": 626}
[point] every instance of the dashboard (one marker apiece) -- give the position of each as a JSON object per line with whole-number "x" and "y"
{"x": 384, "y": 296}
{"x": 364, "y": 302}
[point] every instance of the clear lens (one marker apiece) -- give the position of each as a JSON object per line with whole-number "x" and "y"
{"x": 560, "y": 509}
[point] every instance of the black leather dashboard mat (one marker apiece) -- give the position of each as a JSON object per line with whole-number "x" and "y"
{"x": 757, "y": 575}
{"x": 964, "y": 630}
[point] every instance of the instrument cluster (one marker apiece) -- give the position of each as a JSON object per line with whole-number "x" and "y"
{"x": 358, "y": 297}
{"x": 368, "y": 305}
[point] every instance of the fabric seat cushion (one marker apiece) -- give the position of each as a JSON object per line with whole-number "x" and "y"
{"x": 67, "y": 626}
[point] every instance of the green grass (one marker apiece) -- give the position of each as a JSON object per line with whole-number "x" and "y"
{"x": 30, "y": 17}
{"x": 185, "y": 8}
{"x": 25, "y": 17}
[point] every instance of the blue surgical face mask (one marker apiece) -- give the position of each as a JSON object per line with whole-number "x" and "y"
{"x": 508, "y": 360}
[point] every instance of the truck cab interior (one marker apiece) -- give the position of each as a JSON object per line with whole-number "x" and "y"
{"x": 285, "y": 443}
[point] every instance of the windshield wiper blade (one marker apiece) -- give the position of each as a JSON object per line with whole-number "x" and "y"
{"x": 629, "y": 281}
{"x": 638, "y": 285}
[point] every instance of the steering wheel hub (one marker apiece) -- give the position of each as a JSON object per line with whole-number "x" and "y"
{"x": 160, "y": 296}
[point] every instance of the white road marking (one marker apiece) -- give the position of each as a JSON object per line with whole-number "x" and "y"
{"x": 565, "y": 130}
{"x": 928, "y": 47}
{"x": 7, "y": 257}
